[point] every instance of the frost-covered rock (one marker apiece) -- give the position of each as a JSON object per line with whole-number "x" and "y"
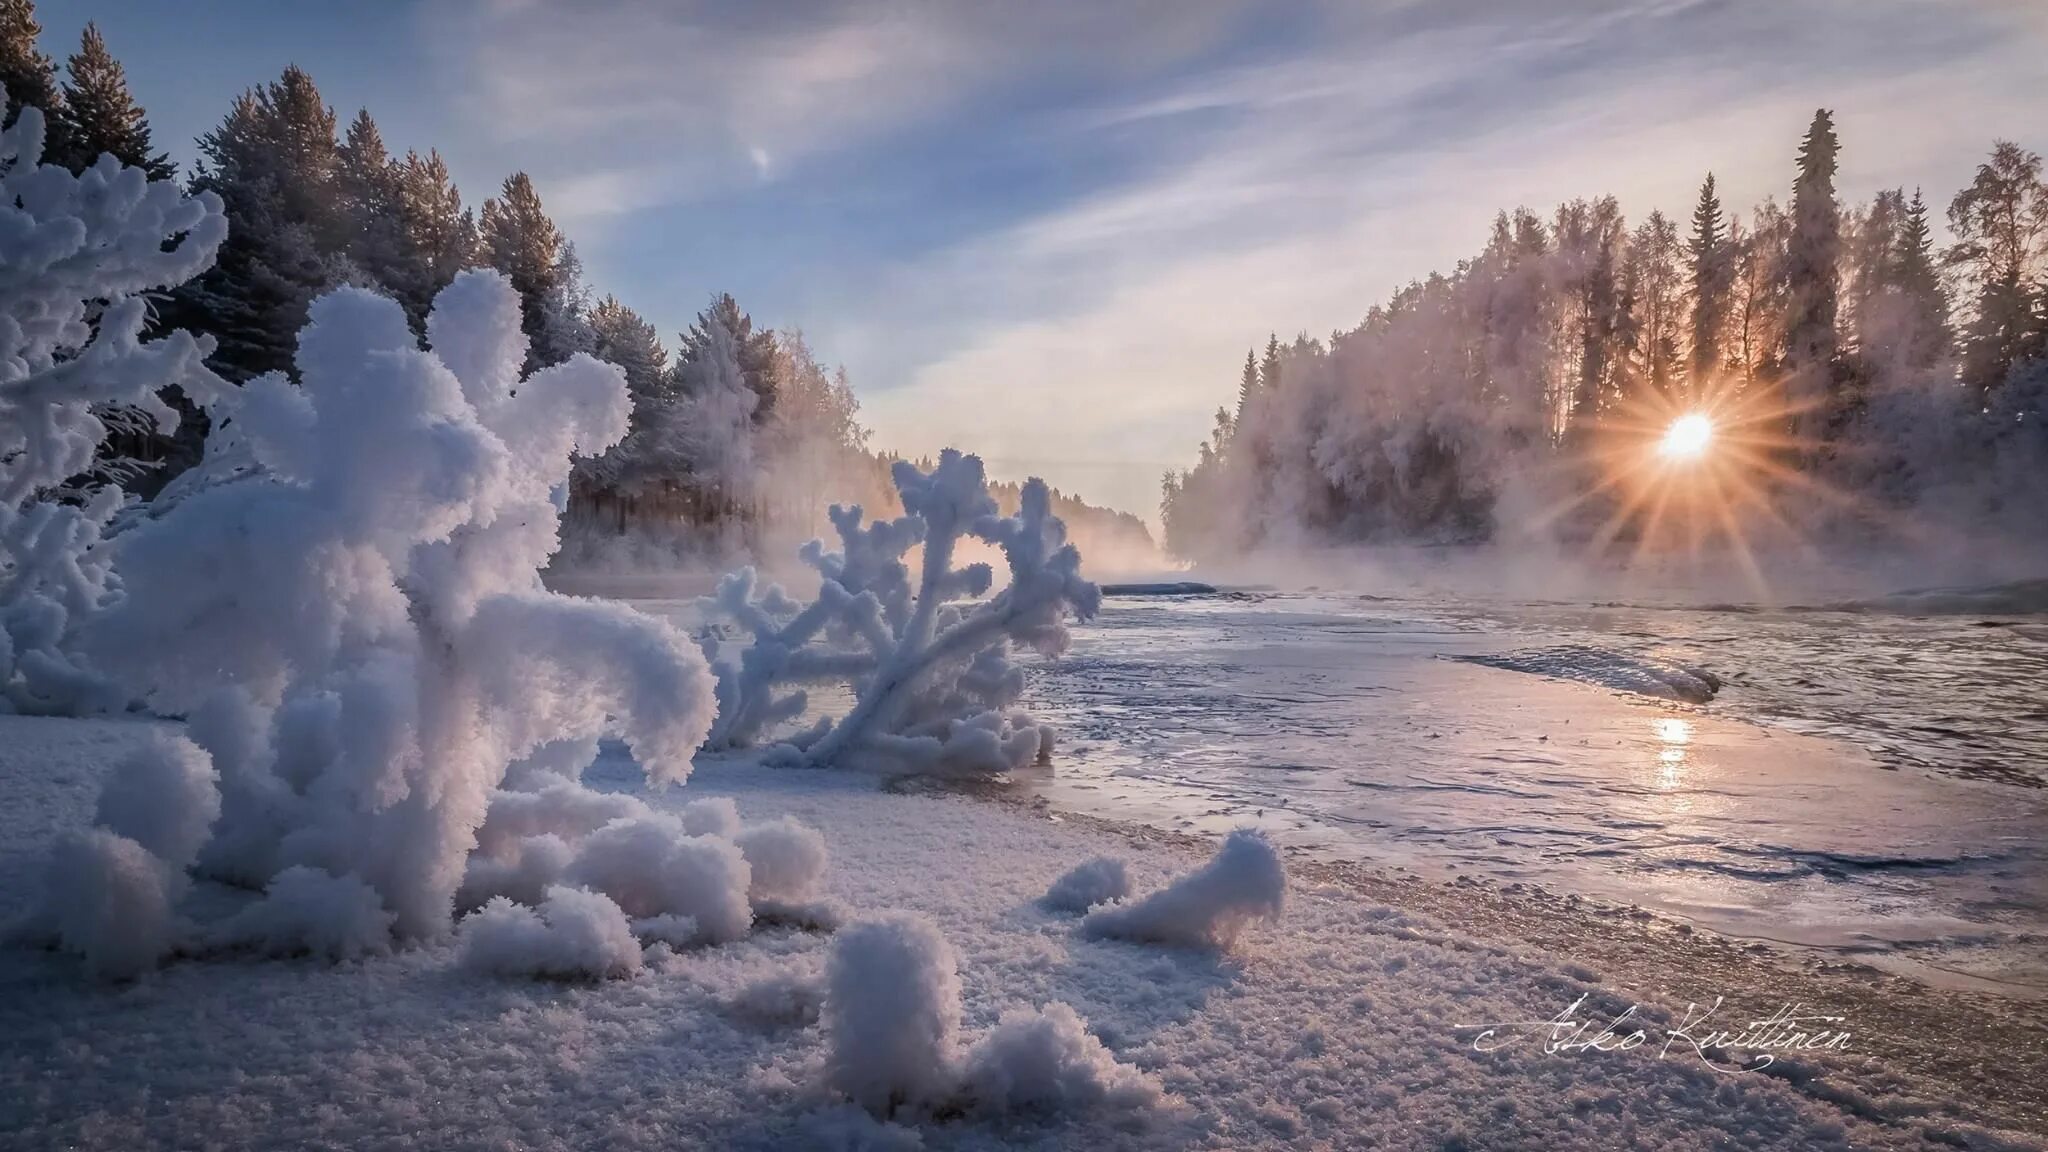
{"x": 77, "y": 255}
{"x": 933, "y": 680}
{"x": 1207, "y": 908}
{"x": 353, "y": 617}
{"x": 575, "y": 934}
{"x": 1097, "y": 881}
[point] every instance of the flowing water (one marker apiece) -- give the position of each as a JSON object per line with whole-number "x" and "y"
{"x": 1865, "y": 779}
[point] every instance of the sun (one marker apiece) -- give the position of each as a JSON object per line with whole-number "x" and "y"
{"x": 1687, "y": 438}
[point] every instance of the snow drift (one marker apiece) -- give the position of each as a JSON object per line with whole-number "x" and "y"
{"x": 892, "y": 1009}
{"x": 1097, "y": 881}
{"x": 1207, "y": 908}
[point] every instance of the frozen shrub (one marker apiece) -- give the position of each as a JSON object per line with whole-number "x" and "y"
{"x": 932, "y": 675}
{"x": 1098, "y": 881}
{"x": 892, "y": 1010}
{"x": 575, "y": 934}
{"x": 785, "y": 860}
{"x": 77, "y": 256}
{"x": 1048, "y": 1060}
{"x": 1206, "y": 908}
{"x": 346, "y": 597}
{"x": 110, "y": 901}
{"x": 652, "y": 868}
{"x": 309, "y": 911}
{"x": 165, "y": 797}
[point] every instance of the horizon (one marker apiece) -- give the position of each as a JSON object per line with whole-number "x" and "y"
{"x": 977, "y": 233}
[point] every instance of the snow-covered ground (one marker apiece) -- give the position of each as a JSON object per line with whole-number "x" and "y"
{"x": 1859, "y": 781}
{"x": 1352, "y": 1024}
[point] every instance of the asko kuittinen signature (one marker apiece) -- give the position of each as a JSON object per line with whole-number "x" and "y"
{"x": 1724, "y": 1045}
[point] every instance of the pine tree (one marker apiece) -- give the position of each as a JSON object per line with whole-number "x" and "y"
{"x": 31, "y": 80}
{"x": 1874, "y": 299}
{"x": 367, "y": 184}
{"x": 1812, "y": 268}
{"x": 104, "y": 116}
{"x": 649, "y": 456}
{"x": 2001, "y": 227}
{"x": 753, "y": 349}
{"x": 1247, "y": 385}
{"x": 521, "y": 241}
{"x": 273, "y": 162}
{"x": 1713, "y": 274}
{"x": 1920, "y": 281}
{"x": 1269, "y": 367}
{"x": 438, "y": 236}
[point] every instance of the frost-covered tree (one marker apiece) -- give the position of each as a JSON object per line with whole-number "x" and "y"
{"x": 30, "y": 79}
{"x": 104, "y": 114}
{"x": 367, "y": 183}
{"x": 2001, "y": 227}
{"x": 77, "y": 255}
{"x": 520, "y": 240}
{"x": 1656, "y": 287}
{"x": 933, "y": 683}
{"x": 355, "y": 622}
{"x": 715, "y": 418}
{"x": 1813, "y": 255}
{"x": 437, "y": 235}
{"x": 647, "y": 458}
{"x": 753, "y": 349}
{"x": 1713, "y": 274}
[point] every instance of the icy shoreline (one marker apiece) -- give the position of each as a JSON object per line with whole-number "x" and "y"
{"x": 1342, "y": 1025}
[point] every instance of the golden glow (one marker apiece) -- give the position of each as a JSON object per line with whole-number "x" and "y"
{"x": 1687, "y": 438}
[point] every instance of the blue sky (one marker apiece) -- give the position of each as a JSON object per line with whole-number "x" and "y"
{"x": 1048, "y": 232}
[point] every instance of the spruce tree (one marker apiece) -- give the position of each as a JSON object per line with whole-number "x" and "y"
{"x": 1269, "y": 367}
{"x": 31, "y": 80}
{"x": 104, "y": 116}
{"x": 367, "y": 185}
{"x": 1712, "y": 281}
{"x": 1812, "y": 268}
{"x": 1920, "y": 281}
{"x": 1247, "y": 385}
{"x": 753, "y": 349}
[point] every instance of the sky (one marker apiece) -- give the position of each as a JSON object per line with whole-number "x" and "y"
{"x": 1049, "y": 232}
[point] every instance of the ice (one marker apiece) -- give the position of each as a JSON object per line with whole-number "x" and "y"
{"x": 1617, "y": 670}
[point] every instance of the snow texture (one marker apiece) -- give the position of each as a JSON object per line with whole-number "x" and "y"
{"x": 346, "y": 599}
{"x": 1048, "y": 1060}
{"x": 308, "y": 911}
{"x": 892, "y": 1009}
{"x": 652, "y": 867}
{"x": 1097, "y": 881}
{"x": 77, "y": 256}
{"x": 1207, "y": 908}
{"x": 164, "y": 797}
{"x": 933, "y": 680}
{"x": 575, "y": 934}
{"x": 785, "y": 860}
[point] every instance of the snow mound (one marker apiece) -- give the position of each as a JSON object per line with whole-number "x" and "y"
{"x": 165, "y": 797}
{"x": 786, "y": 860}
{"x": 575, "y": 934}
{"x": 1620, "y": 671}
{"x": 892, "y": 1011}
{"x": 1048, "y": 1060}
{"x": 651, "y": 867}
{"x": 561, "y": 807}
{"x": 308, "y": 911}
{"x": 784, "y": 998}
{"x": 711, "y": 816}
{"x": 1098, "y": 881}
{"x": 1207, "y": 908}
{"x": 110, "y": 901}
{"x": 522, "y": 872}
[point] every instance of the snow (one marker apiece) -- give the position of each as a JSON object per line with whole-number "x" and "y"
{"x": 165, "y": 797}
{"x": 1337, "y": 1028}
{"x": 651, "y": 867}
{"x": 1092, "y": 882}
{"x": 1047, "y": 1060}
{"x": 108, "y": 900}
{"x": 308, "y": 911}
{"x": 933, "y": 684}
{"x": 1209, "y": 907}
{"x": 785, "y": 860}
{"x": 892, "y": 1010}
{"x": 575, "y": 933}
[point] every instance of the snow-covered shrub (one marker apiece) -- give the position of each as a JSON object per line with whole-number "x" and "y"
{"x": 77, "y": 253}
{"x": 933, "y": 682}
{"x": 313, "y": 912}
{"x": 575, "y": 934}
{"x": 892, "y": 1009}
{"x": 1047, "y": 1059}
{"x": 353, "y": 616}
{"x": 165, "y": 796}
{"x": 652, "y": 867}
{"x": 1206, "y": 908}
{"x": 108, "y": 899}
{"x": 1097, "y": 881}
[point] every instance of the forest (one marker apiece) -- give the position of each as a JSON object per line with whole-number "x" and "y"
{"x": 1861, "y": 377}
{"x": 740, "y": 434}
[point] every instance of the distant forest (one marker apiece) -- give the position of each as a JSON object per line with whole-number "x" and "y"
{"x": 740, "y": 435}
{"x": 1864, "y": 376}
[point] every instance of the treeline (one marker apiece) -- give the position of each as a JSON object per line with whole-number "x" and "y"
{"x": 1866, "y": 370}
{"x": 736, "y": 430}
